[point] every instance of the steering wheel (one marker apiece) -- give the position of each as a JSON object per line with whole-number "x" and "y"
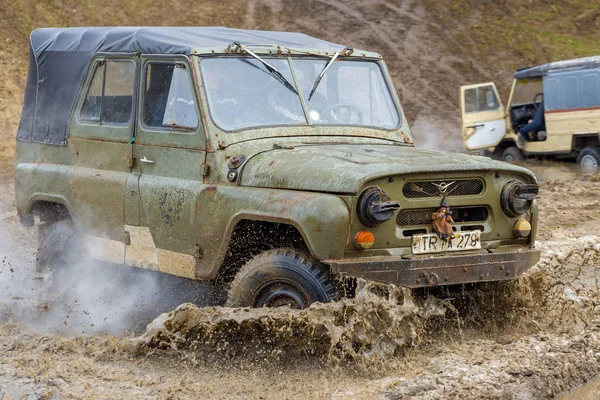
{"x": 537, "y": 99}
{"x": 337, "y": 112}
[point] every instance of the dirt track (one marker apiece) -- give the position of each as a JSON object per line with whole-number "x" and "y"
{"x": 530, "y": 340}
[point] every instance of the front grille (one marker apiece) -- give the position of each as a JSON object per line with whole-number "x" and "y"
{"x": 422, "y": 216}
{"x": 467, "y": 187}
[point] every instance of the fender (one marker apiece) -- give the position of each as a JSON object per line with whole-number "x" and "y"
{"x": 53, "y": 178}
{"x": 322, "y": 220}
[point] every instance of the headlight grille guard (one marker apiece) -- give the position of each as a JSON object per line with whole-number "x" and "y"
{"x": 516, "y": 197}
{"x": 375, "y": 207}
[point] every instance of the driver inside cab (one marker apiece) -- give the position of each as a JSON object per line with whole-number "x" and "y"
{"x": 537, "y": 124}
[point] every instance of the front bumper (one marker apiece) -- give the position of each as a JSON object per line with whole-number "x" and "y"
{"x": 446, "y": 269}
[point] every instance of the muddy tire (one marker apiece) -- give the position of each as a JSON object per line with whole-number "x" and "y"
{"x": 279, "y": 278}
{"x": 59, "y": 247}
{"x": 512, "y": 154}
{"x": 589, "y": 158}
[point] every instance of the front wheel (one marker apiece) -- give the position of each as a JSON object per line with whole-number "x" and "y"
{"x": 512, "y": 154}
{"x": 279, "y": 278}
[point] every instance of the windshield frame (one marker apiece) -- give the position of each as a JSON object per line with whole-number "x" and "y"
{"x": 308, "y": 124}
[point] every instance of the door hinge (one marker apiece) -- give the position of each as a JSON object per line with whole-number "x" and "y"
{"x": 198, "y": 253}
{"x": 131, "y": 162}
{"x": 206, "y": 170}
{"x": 127, "y": 238}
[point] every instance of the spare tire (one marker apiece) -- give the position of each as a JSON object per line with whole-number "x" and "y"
{"x": 280, "y": 277}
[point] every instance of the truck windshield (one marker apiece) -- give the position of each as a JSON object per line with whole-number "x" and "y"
{"x": 242, "y": 93}
{"x": 525, "y": 90}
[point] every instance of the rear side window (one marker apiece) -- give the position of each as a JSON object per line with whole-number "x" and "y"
{"x": 481, "y": 99}
{"x": 109, "y": 97}
{"x": 169, "y": 100}
{"x": 569, "y": 85}
{"x": 590, "y": 93}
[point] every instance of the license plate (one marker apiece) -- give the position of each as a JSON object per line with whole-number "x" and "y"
{"x": 432, "y": 243}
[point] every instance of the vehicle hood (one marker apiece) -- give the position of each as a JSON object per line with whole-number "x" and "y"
{"x": 344, "y": 168}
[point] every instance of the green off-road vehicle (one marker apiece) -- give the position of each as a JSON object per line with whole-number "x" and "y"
{"x": 272, "y": 163}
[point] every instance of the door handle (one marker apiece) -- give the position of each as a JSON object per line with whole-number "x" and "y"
{"x": 146, "y": 160}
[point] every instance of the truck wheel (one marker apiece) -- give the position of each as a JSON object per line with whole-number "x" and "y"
{"x": 512, "y": 154}
{"x": 279, "y": 278}
{"x": 589, "y": 158}
{"x": 59, "y": 247}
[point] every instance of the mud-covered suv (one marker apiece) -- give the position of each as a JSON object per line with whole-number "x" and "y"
{"x": 275, "y": 163}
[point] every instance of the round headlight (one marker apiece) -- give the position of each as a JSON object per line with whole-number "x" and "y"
{"x": 512, "y": 202}
{"x": 375, "y": 207}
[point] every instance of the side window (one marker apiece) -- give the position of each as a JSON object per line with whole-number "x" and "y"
{"x": 109, "y": 98}
{"x": 570, "y": 90}
{"x": 92, "y": 104}
{"x": 470, "y": 100}
{"x": 169, "y": 99}
{"x": 573, "y": 89}
{"x": 589, "y": 90}
{"x": 481, "y": 99}
{"x": 553, "y": 99}
{"x": 118, "y": 92}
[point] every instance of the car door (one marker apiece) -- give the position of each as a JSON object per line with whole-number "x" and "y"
{"x": 100, "y": 131}
{"x": 482, "y": 116}
{"x": 162, "y": 192}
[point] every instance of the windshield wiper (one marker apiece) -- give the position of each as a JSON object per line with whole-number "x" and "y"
{"x": 274, "y": 71}
{"x": 318, "y": 80}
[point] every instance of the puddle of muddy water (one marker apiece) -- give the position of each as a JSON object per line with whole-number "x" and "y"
{"x": 555, "y": 170}
{"x": 589, "y": 391}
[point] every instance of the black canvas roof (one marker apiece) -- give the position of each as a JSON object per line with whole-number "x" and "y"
{"x": 60, "y": 57}
{"x": 567, "y": 65}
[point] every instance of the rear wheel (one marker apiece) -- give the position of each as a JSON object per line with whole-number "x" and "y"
{"x": 512, "y": 154}
{"x": 278, "y": 278}
{"x": 589, "y": 158}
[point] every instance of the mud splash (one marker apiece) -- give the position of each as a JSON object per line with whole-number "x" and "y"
{"x": 89, "y": 298}
{"x": 370, "y": 330}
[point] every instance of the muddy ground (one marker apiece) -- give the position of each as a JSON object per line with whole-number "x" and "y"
{"x": 530, "y": 339}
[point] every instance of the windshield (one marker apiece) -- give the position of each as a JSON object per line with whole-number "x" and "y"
{"x": 244, "y": 93}
{"x": 525, "y": 90}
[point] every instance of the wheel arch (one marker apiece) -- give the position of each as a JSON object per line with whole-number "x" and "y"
{"x": 48, "y": 208}
{"x": 319, "y": 220}
{"x": 582, "y": 141}
{"x": 248, "y": 235}
{"x": 506, "y": 143}
{"x": 500, "y": 147}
